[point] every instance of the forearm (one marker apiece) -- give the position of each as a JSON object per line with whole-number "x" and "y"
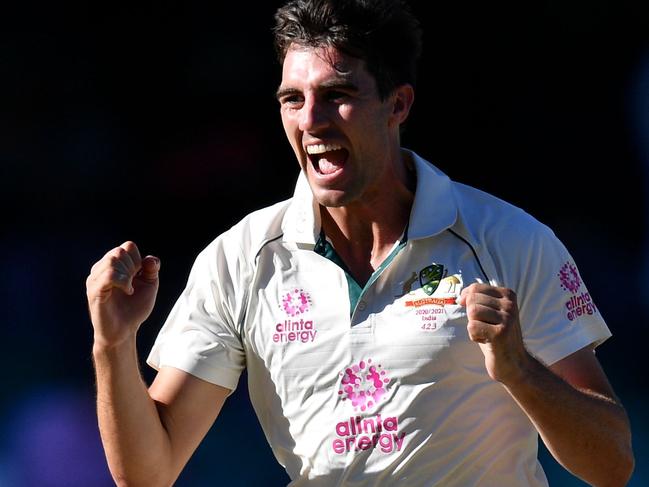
{"x": 135, "y": 441}
{"x": 586, "y": 432}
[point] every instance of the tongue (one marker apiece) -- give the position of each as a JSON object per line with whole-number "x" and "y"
{"x": 331, "y": 161}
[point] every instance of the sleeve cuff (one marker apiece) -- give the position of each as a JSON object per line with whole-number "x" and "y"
{"x": 564, "y": 345}
{"x": 198, "y": 367}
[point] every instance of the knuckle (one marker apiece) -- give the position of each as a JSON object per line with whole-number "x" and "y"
{"x": 130, "y": 249}
{"x": 508, "y": 307}
{"x": 476, "y": 332}
{"x": 472, "y": 327}
{"x": 121, "y": 252}
{"x": 118, "y": 258}
{"x": 509, "y": 303}
{"x": 113, "y": 275}
{"x": 509, "y": 294}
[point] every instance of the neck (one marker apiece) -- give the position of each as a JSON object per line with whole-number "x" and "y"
{"x": 363, "y": 233}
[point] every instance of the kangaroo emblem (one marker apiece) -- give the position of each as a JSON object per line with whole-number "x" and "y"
{"x": 449, "y": 284}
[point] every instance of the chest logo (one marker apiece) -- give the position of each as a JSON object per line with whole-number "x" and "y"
{"x": 295, "y": 302}
{"x": 364, "y": 385}
{"x": 430, "y": 277}
{"x": 299, "y": 326}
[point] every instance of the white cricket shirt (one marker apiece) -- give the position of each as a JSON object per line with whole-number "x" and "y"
{"x": 396, "y": 393}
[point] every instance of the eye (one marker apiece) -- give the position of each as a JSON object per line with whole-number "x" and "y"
{"x": 336, "y": 96}
{"x": 291, "y": 101}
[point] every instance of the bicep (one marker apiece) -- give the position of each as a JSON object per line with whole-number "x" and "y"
{"x": 188, "y": 406}
{"x": 583, "y": 371}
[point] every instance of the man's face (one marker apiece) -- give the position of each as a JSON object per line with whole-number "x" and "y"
{"x": 343, "y": 135}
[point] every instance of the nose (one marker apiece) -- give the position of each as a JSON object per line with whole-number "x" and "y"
{"x": 313, "y": 115}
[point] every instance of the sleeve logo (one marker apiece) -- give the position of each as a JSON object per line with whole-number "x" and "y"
{"x": 580, "y": 303}
{"x": 569, "y": 277}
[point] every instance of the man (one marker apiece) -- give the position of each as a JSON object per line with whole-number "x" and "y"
{"x": 397, "y": 328}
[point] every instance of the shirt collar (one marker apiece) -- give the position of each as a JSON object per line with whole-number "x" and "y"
{"x": 301, "y": 222}
{"x": 433, "y": 211}
{"x": 435, "y": 208}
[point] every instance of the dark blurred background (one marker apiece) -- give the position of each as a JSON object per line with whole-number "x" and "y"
{"x": 156, "y": 122}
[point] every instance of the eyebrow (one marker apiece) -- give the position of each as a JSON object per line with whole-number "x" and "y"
{"x": 335, "y": 84}
{"x": 281, "y": 92}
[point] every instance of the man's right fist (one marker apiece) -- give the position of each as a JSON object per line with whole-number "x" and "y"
{"x": 121, "y": 291}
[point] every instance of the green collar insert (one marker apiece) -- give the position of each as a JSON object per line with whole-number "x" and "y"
{"x": 324, "y": 248}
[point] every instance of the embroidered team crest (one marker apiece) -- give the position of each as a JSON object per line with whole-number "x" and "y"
{"x": 429, "y": 277}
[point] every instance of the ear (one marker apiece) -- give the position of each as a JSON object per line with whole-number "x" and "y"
{"x": 402, "y": 99}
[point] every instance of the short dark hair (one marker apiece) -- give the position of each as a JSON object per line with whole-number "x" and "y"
{"x": 383, "y": 33}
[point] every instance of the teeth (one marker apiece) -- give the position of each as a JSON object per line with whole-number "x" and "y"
{"x": 321, "y": 148}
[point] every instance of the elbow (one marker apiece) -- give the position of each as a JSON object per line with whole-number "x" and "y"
{"x": 626, "y": 466}
{"x": 612, "y": 461}
{"x": 621, "y": 476}
{"x": 626, "y": 456}
{"x": 619, "y": 473}
{"x": 621, "y": 454}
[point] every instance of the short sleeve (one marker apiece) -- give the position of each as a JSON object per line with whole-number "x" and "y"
{"x": 201, "y": 336}
{"x": 558, "y": 315}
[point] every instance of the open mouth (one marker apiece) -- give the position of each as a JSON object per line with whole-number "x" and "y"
{"x": 327, "y": 159}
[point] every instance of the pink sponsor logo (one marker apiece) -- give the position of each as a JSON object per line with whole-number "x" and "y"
{"x": 374, "y": 433}
{"x": 569, "y": 277}
{"x": 579, "y": 306}
{"x": 296, "y": 302}
{"x": 580, "y": 303}
{"x": 364, "y": 385}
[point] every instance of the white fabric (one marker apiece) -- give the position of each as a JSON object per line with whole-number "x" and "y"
{"x": 260, "y": 297}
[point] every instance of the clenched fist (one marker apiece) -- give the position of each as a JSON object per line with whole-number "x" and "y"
{"x": 121, "y": 291}
{"x": 494, "y": 324}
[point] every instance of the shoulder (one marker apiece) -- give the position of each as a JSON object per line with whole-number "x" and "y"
{"x": 259, "y": 227}
{"x": 489, "y": 220}
{"x": 239, "y": 246}
{"x": 508, "y": 237}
